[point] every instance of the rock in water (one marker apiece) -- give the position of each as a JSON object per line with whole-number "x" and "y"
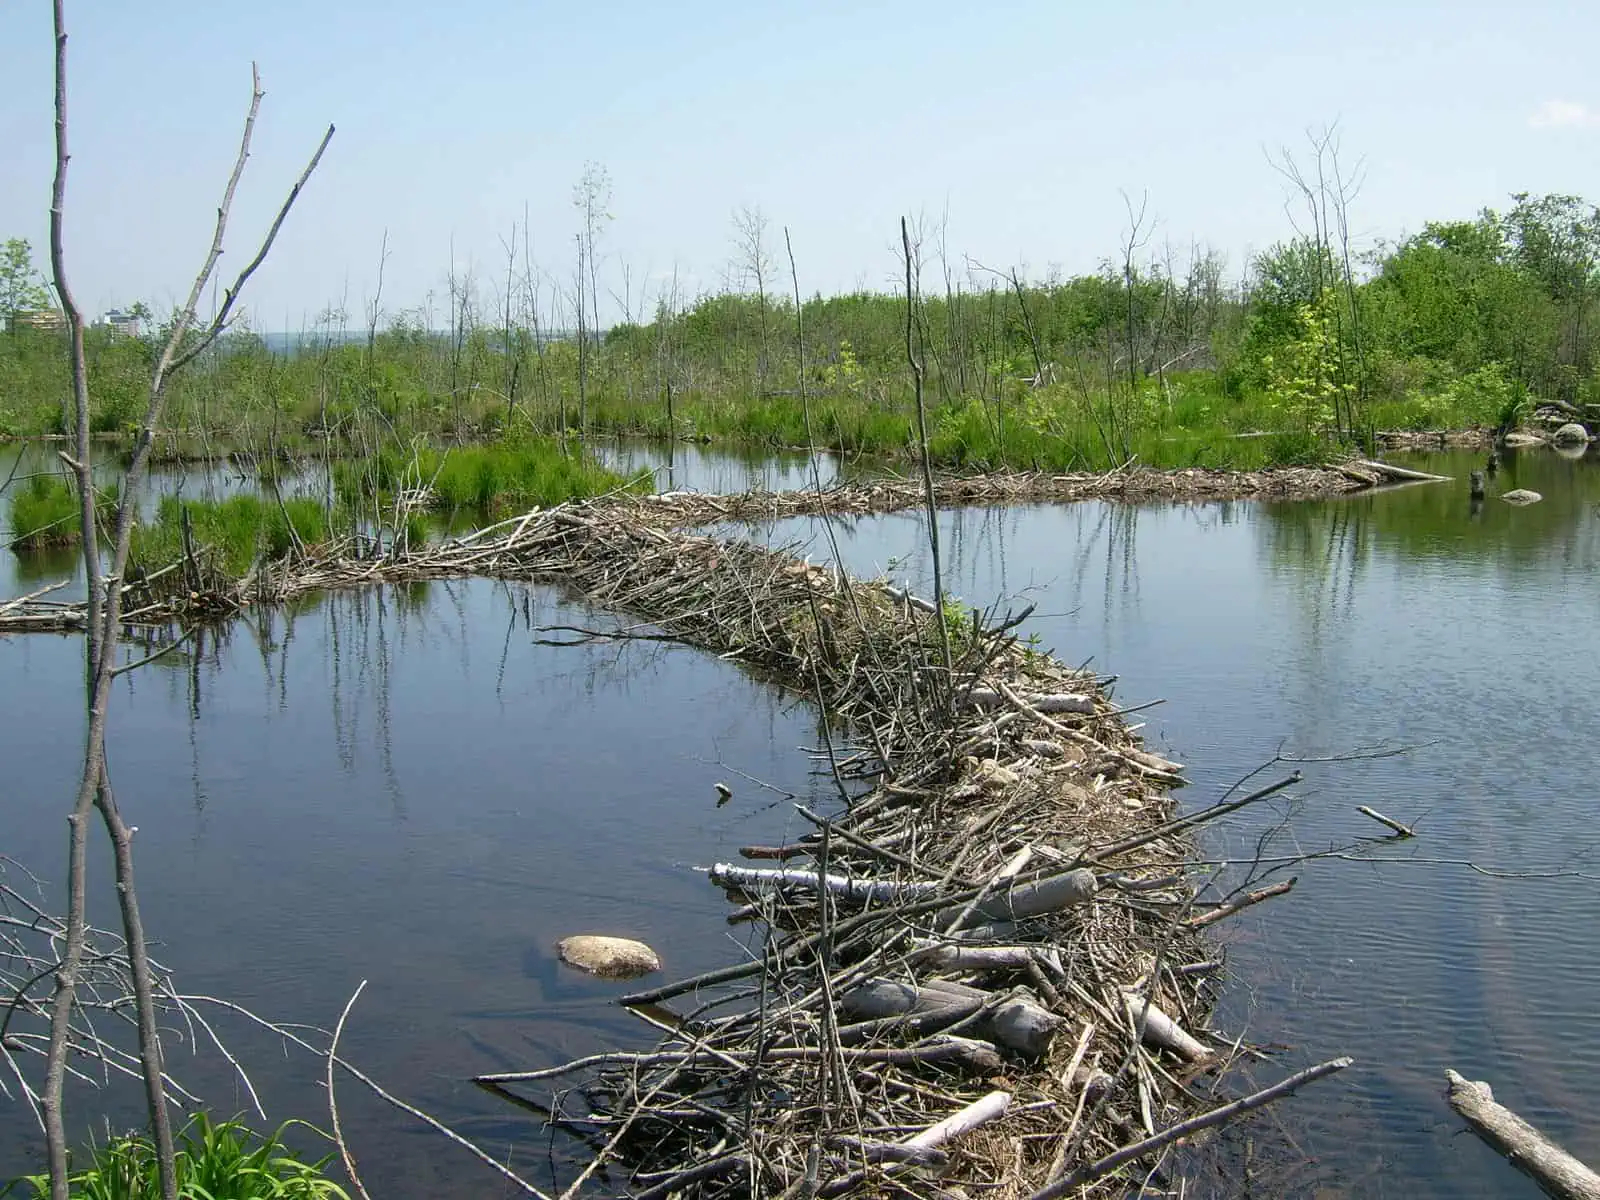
{"x": 1524, "y": 439}
{"x": 608, "y": 957}
{"x": 1570, "y": 434}
{"x": 1521, "y": 496}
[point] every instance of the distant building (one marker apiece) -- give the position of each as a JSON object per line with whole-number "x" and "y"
{"x": 47, "y": 319}
{"x": 118, "y": 321}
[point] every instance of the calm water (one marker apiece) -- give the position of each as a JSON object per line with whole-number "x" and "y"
{"x": 678, "y": 466}
{"x": 1398, "y": 619}
{"x": 403, "y": 787}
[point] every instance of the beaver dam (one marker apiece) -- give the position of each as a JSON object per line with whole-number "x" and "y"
{"x": 985, "y": 971}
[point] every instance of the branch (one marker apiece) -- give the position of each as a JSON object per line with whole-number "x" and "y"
{"x": 1217, "y": 1116}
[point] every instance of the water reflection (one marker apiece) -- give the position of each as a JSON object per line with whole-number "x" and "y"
{"x": 403, "y": 786}
{"x": 1387, "y": 620}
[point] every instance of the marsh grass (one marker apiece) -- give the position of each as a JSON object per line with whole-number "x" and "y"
{"x": 488, "y": 479}
{"x": 235, "y": 533}
{"x": 44, "y": 514}
{"x": 215, "y": 1161}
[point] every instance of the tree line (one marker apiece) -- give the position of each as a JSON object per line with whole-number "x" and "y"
{"x": 1463, "y": 323}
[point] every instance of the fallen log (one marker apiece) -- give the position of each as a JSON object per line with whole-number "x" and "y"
{"x": 1388, "y": 471}
{"x": 1050, "y": 894}
{"x": 1547, "y": 1164}
{"x": 863, "y": 891}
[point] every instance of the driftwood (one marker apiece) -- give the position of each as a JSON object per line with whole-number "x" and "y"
{"x": 1403, "y": 830}
{"x": 1552, "y": 1168}
{"x": 1390, "y": 471}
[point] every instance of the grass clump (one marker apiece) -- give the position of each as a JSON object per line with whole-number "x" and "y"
{"x": 489, "y": 479}
{"x": 44, "y": 515}
{"x": 225, "y": 1161}
{"x": 234, "y": 534}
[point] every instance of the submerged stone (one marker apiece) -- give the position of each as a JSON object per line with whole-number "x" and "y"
{"x": 608, "y": 957}
{"x": 1521, "y": 496}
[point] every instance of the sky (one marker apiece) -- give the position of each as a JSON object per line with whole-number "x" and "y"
{"x": 1019, "y": 128}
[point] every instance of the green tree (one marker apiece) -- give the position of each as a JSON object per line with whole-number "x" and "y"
{"x": 21, "y": 287}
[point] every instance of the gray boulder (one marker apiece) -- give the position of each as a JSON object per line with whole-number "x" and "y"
{"x": 1570, "y": 434}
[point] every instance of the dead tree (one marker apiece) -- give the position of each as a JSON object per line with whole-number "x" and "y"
{"x": 189, "y": 338}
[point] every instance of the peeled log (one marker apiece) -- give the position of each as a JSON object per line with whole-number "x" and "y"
{"x": 1050, "y": 894}
{"x": 1023, "y": 1026}
{"x": 1017, "y": 1023}
{"x": 974, "y": 958}
{"x": 1387, "y": 471}
{"x": 878, "y": 998}
{"x": 1058, "y": 702}
{"x": 608, "y": 957}
{"x": 866, "y": 891}
{"x": 1161, "y": 1030}
{"x": 977, "y": 1113}
{"x": 1551, "y": 1167}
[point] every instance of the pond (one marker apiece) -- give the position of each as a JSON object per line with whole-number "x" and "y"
{"x": 1405, "y": 619}
{"x": 405, "y": 787}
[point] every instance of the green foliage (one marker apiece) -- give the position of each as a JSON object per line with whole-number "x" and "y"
{"x": 1164, "y": 363}
{"x": 21, "y": 286}
{"x": 486, "y": 479}
{"x": 232, "y": 534}
{"x": 45, "y": 513}
{"x": 214, "y": 1161}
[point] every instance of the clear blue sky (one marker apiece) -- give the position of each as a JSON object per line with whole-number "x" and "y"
{"x": 1022, "y": 120}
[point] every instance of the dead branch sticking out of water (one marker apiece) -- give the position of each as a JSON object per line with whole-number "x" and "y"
{"x": 1556, "y": 1172}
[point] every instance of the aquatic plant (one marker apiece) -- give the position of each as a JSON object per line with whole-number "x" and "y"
{"x": 232, "y": 534}
{"x": 492, "y": 478}
{"x": 214, "y": 1161}
{"x": 45, "y": 513}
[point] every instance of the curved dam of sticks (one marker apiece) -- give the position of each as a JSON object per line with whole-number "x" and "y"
{"x": 987, "y": 962}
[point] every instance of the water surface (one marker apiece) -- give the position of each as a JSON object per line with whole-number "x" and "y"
{"x": 402, "y": 786}
{"x": 1408, "y": 618}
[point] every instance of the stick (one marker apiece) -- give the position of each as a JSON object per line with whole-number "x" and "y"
{"x": 1172, "y": 1133}
{"x": 1558, "y": 1173}
{"x": 1404, "y": 831}
{"x": 1201, "y": 920}
{"x": 333, "y": 1105}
